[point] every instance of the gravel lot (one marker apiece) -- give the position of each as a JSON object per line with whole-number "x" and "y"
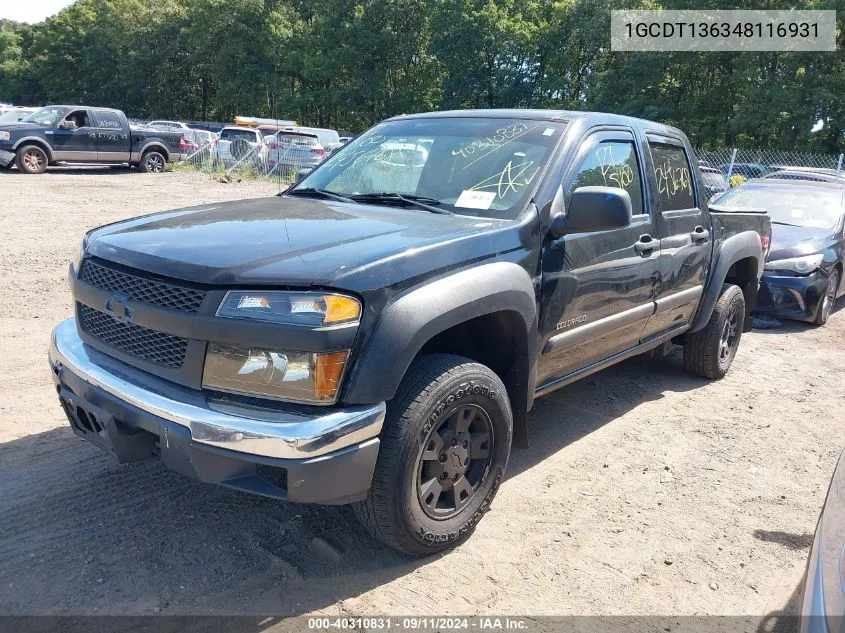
{"x": 645, "y": 490}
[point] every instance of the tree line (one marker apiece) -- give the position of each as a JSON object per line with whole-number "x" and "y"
{"x": 350, "y": 63}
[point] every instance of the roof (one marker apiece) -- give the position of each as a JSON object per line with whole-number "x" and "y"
{"x": 542, "y": 115}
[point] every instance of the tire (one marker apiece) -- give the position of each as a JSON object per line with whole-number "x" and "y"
{"x": 152, "y": 162}
{"x": 31, "y": 159}
{"x": 710, "y": 351}
{"x": 428, "y": 492}
{"x": 828, "y": 300}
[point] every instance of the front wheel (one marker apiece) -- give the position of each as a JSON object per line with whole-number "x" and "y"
{"x": 444, "y": 451}
{"x": 31, "y": 159}
{"x": 710, "y": 351}
{"x": 153, "y": 163}
{"x": 828, "y": 300}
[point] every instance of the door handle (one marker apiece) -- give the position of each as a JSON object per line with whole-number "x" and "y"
{"x": 646, "y": 244}
{"x": 699, "y": 234}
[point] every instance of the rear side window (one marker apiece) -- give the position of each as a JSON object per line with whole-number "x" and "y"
{"x": 611, "y": 164}
{"x": 107, "y": 119}
{"x": 672, "y": 175}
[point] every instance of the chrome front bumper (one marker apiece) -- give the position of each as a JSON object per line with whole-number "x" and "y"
{"x": 263, "y": 432}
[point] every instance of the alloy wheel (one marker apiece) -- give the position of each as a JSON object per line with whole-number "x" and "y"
{"x": 729, "y": 337}
{"x": 33, "y": 160}
{"x": 155, "y": 164}
{"x": 829, "y": 297}
{"x": 453, "y": 461}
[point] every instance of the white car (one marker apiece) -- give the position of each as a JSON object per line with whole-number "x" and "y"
{"x": 241, "y": 144}
{"x": 168, "y": 125}
{"x": 13, "y": 115}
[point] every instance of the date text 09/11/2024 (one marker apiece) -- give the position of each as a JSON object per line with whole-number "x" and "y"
{"x": 432, "y": 623}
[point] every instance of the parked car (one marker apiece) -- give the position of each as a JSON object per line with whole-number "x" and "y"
{"x": 714, "y": 180}
{"x": 15, "y": 115}
{"x": 294, "y": 150}
{"x": 238, "y": 144}
{"x": 811, "y": 175}
{"x": 168, "y": 125}
{"x": 328, "y": 138}
{"x": 746, "y": 170}
{"x": 340, "y": 344}
{"x": 82, "y": 134}
{"x": 822, "y": 595}
{"x": 804, "y": 272}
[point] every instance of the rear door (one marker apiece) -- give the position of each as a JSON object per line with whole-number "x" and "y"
{"x": 598, "y": 288}
{"x": 112, "y": 132}
{"x": 684, "y": 232}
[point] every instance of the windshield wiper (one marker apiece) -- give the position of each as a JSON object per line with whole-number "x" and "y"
{"x": 784, "y": 223}
{"x": 421, "y": 202}
{"x": 308, "y": 191}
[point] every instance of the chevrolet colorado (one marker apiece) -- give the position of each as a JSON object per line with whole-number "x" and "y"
{"x": 376, "y": 335}
{"x": 84, "y": 135}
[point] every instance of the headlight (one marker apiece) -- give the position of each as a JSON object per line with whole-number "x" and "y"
{"x": 313, "y": 309}
{"x": 292, "y": 376}
{"x": 76, "y": 262}
{"x": 800, "y": 265}
{"x": 4, "y": 136}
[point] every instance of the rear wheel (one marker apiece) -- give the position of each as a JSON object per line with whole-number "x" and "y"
{"x": 31, "y": 159}
{"x": 710, "y": 351}
{"x": 828, "y": 300}
{"x": 153, "y": 162}
{"x": 444, "y": 451}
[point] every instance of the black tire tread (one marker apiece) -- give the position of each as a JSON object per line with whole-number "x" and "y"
{"x": 426, "y": 374}
{"x": 701, "y": 348}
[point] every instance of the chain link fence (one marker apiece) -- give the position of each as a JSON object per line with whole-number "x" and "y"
{"x": 738, "y": 165}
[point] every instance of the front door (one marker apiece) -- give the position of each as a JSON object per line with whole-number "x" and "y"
{"x": 598, "y": 289}
{"x": 684, "y": 233}
{"x": 76, "y": 145}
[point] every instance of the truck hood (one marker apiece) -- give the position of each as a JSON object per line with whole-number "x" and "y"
{"x": 300, "y": 242}
{"x": 795, "y": 241}
{"x": 19, "y": 126}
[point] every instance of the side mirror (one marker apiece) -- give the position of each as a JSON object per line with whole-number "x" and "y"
{"x": 593, "y": 209}
{"x": 301, "y": 174}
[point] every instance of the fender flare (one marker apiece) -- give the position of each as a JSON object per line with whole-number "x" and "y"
{"x": 154, "y": 145}
{"x": 733, "y": 249}
{"x": 422, "y": 312}
{"x": 35, "y": 140}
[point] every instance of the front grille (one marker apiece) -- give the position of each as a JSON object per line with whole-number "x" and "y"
{"x": 152, "y": 346}
{"x": 143, "y": 289}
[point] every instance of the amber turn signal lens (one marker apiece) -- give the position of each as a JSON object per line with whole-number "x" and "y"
{"x": 327, "y": 372}
{"x": 340, "y": 309}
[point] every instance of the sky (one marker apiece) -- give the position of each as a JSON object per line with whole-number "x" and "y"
{"x": 31, "y": 11}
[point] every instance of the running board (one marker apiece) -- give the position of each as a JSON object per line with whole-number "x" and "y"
{"x": 644, "y": 346}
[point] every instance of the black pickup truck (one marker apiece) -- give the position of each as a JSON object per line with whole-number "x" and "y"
{"x": 83, "y": 135}
{"x": 378, "y": 334}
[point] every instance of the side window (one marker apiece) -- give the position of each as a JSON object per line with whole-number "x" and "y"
{"x": 672, "y": 175}
{"x": 80, "y": 117}
{"x": 107, "y": 119}
{"x": 611, "y": 164}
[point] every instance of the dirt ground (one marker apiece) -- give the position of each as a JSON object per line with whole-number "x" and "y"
{"x": 645, "y": 490}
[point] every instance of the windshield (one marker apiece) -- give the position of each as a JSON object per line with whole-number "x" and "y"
{"x": 813, "y": 207}
{"x": 474, "y": 166}
{"x": 46, "y": 116}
